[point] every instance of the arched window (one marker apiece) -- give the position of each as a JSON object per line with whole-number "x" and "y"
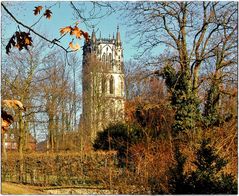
{"x": 110, "y": 57}
{"x": 110, "y": 61}
{"x": 111, "y": 85}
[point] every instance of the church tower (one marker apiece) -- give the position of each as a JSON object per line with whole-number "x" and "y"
{"x": 103, "y": 83}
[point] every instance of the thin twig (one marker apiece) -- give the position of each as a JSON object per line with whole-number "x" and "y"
{"x": 30, "y": 29}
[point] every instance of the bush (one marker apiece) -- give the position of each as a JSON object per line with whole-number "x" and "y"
{"x": 207, "y": 178}
{"x": 118, "y": 137}
{"x": 61, "y": 169}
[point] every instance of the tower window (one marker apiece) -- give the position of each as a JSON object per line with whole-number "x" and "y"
{"x": 111, "y": 85}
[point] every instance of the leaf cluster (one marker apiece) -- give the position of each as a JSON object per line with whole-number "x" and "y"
{"x": 22, "y": 39}
{"x": 75, "y": 31}
{"x": 78, "y": 33}
{"x": 47, "y": 12}
{"x": 19, "y": 40}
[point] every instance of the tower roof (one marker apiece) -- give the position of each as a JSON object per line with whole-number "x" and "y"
{"x": 118, "y": 36}
{"x": 110, "y": 40}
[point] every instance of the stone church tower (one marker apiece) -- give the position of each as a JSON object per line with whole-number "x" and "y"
{"x": 103, "y": 83}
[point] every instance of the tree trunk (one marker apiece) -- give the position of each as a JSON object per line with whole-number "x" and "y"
{"x": 21, "y": 146}
{"x": 3, "y": 147}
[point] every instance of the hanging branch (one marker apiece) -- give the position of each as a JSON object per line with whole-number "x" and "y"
{"x": 54, "y": 41}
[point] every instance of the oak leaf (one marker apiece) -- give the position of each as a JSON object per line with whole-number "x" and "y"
{"x": 13, "y": 104}
{"x": 37, "y": 10}
{"x": 11, "y": 43}
{"x": 76, "y": 31}
{"x": 19, "y": 40}
{"x": 74, "y": 47}
{"x": 48, "y": 14}
{"x": 7, "y": 120}
{"x": 65, "y": 30}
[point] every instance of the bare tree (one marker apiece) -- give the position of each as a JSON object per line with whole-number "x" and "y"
{"x": 192, "y": 33}
{"x": 60, "y": 100}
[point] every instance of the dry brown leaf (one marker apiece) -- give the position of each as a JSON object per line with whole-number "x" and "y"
{"x": 13, "y": 104}
{"x": 74, "y": 47}
{"x": 37, "y": 10}
{"x": 48, "y": 14}
{"x": 10, "y": 44}
{"x": 76, "y": 31}
{"x": 65, "y": 30}
{"x": 19, "y": 40}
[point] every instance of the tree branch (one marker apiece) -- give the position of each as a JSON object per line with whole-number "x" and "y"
{"x": 54, "y": 41}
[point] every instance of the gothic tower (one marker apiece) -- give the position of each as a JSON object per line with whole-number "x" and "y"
{"x": 103, "y": 83}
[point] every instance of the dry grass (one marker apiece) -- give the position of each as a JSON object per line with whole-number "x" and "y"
{"x": 13, "y": 188}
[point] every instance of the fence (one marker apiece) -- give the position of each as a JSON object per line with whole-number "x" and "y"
{"x": 61, "y": 169}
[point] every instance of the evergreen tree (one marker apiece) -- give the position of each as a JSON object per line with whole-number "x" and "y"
{"x": 183, "y": 99}
{"x": 207, "y": 178}
{"x": 177, "y": 177}
{"x": 211, "y": 107}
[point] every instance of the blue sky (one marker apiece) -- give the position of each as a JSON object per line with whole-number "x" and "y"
{"x": 63, "y": 16}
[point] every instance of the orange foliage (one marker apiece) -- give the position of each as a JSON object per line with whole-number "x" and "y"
{"x": 48, "y": 14}
{"x": 37, "y": 10}
{"x": 65, "y": 30}
{"x": 74, "y": 47}
{"x": 19, "y": 40}
{"x": 76, "y": 31}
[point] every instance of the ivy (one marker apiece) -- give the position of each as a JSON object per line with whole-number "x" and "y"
{"x": 211, "y": 114}
{"x": 183, "y": 99}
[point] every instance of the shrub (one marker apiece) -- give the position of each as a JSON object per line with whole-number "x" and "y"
{"x": 118, "y": 137}
{"x": 207, "y": 178}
